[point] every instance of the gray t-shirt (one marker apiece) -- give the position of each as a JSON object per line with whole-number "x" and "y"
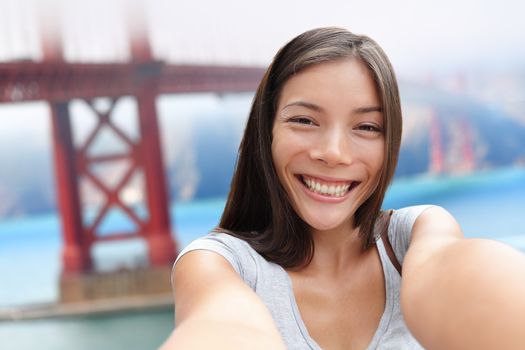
{"x": 274, "y": 287}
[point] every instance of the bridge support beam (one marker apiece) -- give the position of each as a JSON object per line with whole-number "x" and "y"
{"x": 76, "y": 255}
{"x": 161, "y": 246}
{"x": 80, "y": 281}
{"x": 58, "y": 82}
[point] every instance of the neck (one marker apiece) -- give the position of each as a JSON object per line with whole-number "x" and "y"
{"x": 335, "y": 249}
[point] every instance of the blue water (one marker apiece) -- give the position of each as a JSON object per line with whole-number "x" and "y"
{"x": 131, "y": 331}
{"x": 488, "y": 204}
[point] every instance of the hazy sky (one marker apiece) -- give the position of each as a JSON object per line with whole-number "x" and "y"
{"x": 415, "y": 33}
{"x": 418, "y": 35}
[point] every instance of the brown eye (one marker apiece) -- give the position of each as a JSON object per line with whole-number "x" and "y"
{"x": 301, "y": 120}
{"x": 370, "y": 128}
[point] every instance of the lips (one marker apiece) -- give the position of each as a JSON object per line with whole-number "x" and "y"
{"x": 335, "y": 188}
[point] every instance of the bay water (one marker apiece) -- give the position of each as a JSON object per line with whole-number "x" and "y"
{"x": 487, "y": 204}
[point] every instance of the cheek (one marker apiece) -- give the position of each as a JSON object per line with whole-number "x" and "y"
{"x": 371, "y": 152}
{"x": 282, "y": 147}
{"x": 379, "y": 167}
{"x": 382, "y": 156}
{"x": 286, "y": 150}
{"x": 278, "y": 157}
{"x": 380, "y": 162}
{"x": 374, "y": 156}
{"x": 276, "y": 153}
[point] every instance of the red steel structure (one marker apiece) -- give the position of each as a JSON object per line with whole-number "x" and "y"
{"x": 436, "y": 147}
{"x": 58, "y": 82}
{"x": 467, "y": 146}
{"x": 464, "y": 154}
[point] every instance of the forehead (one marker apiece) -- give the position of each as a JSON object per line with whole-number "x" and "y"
{"x": 342, "y": 83}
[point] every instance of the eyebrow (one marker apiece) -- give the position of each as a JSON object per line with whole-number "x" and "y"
{"x": 363, "y": 110}
{"x": 304, "y": 104}
{"x": 317, "y": 108}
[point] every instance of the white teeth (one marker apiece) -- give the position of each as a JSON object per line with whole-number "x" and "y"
{"x": 327, "y": 190}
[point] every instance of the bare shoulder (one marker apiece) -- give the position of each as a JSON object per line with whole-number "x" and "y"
{"x": 206, "y": 286}
{"x": 193, "y": 274}
{"x": 435, "y": 224}
{"x": 433, "y": 230}
{"x": 215, "y": 309}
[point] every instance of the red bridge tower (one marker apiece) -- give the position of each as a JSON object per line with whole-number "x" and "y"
{"x": 59, "y": 82}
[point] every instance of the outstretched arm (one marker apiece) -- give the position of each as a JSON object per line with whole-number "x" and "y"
{"x": 462, "y": 293}
{"x": 214, "y": 309}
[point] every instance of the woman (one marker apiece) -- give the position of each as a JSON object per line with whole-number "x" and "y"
{"x": 303, "y": 257}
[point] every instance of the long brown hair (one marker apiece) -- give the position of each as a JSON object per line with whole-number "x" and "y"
{"x": 258, "y": 209}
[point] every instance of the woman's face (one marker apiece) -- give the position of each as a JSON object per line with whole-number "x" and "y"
{"x": 328, "y": 142}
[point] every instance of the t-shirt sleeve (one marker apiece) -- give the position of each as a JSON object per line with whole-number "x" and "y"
{"x": 400, "y": 228}
{"x": 236, "y": 251}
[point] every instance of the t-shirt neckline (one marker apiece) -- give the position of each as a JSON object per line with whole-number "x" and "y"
{"x": 385, "y": 317}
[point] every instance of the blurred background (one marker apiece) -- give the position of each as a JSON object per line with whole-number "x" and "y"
{"x": 461, "y": 69}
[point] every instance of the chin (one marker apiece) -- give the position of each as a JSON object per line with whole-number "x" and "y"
{"x": 325, "y": 224}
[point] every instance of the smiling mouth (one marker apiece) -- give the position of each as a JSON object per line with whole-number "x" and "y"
{"x": 329, "y": 189}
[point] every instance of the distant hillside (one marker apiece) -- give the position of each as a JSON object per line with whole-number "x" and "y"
{"x": 496, "y": 139}
{"x": 200, "y": 149}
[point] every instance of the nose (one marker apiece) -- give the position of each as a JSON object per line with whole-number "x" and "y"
{"x": 333, "y": 148}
